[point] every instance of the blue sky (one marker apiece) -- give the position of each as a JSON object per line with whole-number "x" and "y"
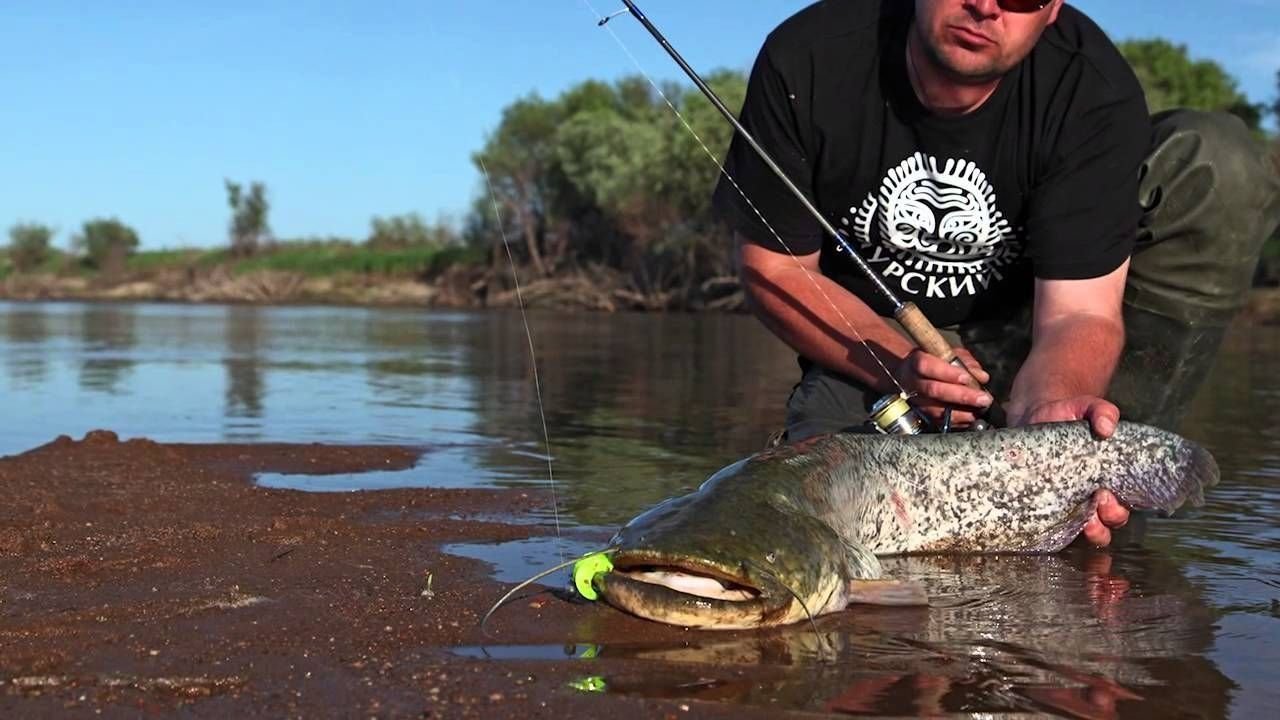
{"x": 348, "y": 110}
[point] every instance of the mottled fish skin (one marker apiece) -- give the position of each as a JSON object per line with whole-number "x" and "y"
{"x": 804, "y": 520}
{"x": 1016, "y": 490}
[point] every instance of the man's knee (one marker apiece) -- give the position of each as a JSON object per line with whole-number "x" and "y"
{"x": 1210, "y": 197}
{"x": 823, "y": 402}
{"x": 1210, "y": 156}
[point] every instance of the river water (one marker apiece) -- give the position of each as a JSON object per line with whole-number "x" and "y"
{"x": 1184, "y": 620}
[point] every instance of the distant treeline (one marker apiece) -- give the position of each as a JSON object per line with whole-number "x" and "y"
{"x": 604, "y": 180}
{"x": 607, "y": 173}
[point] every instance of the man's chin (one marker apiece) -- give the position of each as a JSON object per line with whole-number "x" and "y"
{"x": 971, "y": 70}
{"x": 965, "y": 66}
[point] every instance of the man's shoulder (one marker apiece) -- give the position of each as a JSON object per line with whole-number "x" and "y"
{"x": 827, "y": 20}
{"x": 1076, "y": 41}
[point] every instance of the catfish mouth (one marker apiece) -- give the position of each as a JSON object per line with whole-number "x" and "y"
{"x": 691, "y": 592}
{"x": 691, "y": 578}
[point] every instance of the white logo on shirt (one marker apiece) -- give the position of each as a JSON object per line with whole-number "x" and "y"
{"x": 937, "y": 232}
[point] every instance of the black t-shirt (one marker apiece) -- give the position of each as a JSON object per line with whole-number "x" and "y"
{"x": 956, "y": 213}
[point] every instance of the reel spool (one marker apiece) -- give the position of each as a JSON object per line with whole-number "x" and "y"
{"x": 894, "y": 415}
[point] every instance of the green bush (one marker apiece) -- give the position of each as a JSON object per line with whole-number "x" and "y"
{"x": 29, "y": 246}
{"x": 406, "y": 231}
{"x": 107, "y": 244}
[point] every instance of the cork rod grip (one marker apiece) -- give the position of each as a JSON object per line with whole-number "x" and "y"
{"x": 924, "y": 333}
{"x": 932, "y": 342}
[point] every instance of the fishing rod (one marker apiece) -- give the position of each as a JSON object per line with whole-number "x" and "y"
{"x": 911, "y": 318}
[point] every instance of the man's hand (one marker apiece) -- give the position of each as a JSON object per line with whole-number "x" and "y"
{"x": 1103, "y": 417}
{"x": 938, "y": 385}
{"x": 1101, "y": 414}
{"x": 1110, "y": 515}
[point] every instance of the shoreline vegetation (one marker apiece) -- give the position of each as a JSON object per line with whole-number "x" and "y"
{"x": 447, "y": 278}
{"x": 598, "y": 199}
{"x": 339, "y": 273}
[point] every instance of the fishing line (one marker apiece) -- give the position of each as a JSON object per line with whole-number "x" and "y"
{"x": 603, "y": 21}
{"x": 822, "y": 643}
{"x": 526, "y": 583}
{"x": 533, "y": 361}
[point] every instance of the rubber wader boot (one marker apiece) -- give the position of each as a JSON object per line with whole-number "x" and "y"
{"x": 1211, "y": 198}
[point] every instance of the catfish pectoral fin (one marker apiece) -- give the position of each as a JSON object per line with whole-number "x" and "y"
{"x": 1069, "y": 527}
{"x": 897, "y": 593}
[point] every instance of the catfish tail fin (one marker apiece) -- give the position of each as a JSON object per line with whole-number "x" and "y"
{"x": 1176, "y": 471}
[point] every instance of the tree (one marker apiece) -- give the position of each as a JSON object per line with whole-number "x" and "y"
{"x": 107, "y": 244}
{"x": 651, "y": 179}
{"x": 607, "y": 174}
{"x": 1172, "y": 79}
{"x": 518, "y": 160}
{"x": 29, "y": 245}
{"x": 249, "y": 227}
{"x": 404, "y": 231}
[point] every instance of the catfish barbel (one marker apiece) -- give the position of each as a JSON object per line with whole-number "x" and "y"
{"x": 795, "y": 531}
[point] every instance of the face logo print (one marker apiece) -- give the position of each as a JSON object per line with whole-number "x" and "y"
{"x": 936, "y": 230}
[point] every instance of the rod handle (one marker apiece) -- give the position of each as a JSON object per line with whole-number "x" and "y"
{"x": 932, "y": 342}
{"x": 923, "y": 332}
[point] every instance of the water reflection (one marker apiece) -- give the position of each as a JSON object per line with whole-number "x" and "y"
{"x": 1082, "y": 634}
{"x": 245, "y": 369}
{"x": 416, "y": 366}
{"x": 107, "y": 335}
{"x": 26, "y": 330}
{"x": 517, "y": 560}
{"x": 640, "y": 407}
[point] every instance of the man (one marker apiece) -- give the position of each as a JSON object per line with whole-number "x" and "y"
{"x": 989, "y": 159}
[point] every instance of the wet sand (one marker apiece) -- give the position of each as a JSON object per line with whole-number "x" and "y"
{"x": 139, "y": 578}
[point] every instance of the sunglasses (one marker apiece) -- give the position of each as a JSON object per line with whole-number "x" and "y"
{"x": 1023, "y": 6}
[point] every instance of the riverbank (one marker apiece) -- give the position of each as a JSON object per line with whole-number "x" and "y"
{"x": 145, "y": 578}
{"x": 464, "y": 286}
{"x": 461, "y": 287}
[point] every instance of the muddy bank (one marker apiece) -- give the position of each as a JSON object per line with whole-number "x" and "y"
{"x": 140, "y": 578}
{"x": 462, "y": 287}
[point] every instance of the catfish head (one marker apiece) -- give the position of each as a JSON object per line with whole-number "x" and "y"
{"x": 733, "y": 557}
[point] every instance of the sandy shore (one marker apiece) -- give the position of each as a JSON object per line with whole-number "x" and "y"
{"x": 139, "y": 578}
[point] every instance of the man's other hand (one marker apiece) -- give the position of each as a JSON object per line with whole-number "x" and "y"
{"x": 1110, "y": 515}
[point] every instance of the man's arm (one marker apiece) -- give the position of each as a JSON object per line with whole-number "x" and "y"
{"x": 799, "y": 304}
{"x": 1078, "y": 336}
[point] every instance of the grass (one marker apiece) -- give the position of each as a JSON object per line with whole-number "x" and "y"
{"x": 55, "y": 262}
{"x": 323, "y": 259}
{"x": 162, "y": 259}
{"x": 314, "y": 258}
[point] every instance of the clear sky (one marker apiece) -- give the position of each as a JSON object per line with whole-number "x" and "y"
{"x": 139, "y": 109}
